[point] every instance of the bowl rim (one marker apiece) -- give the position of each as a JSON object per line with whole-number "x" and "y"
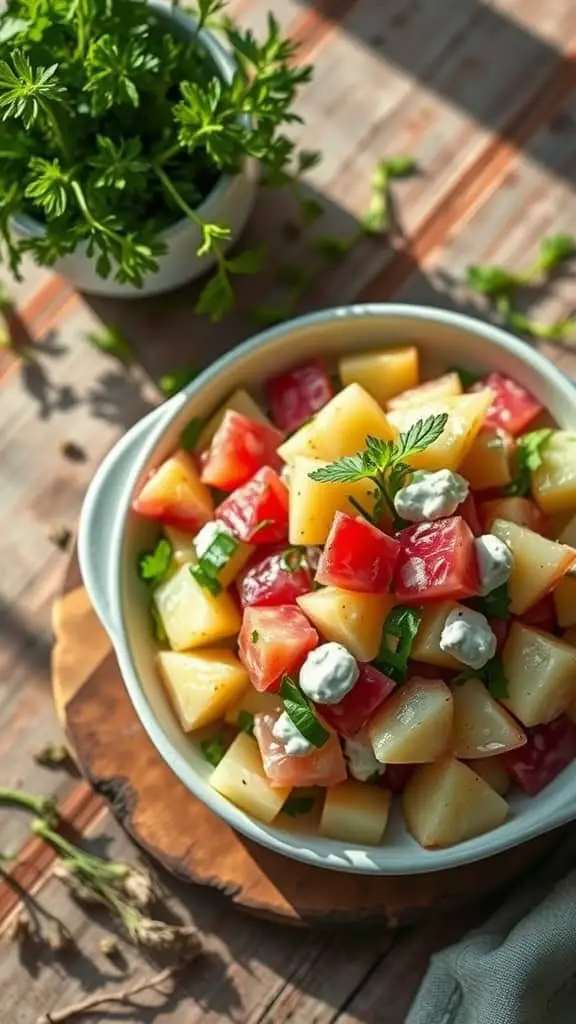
{"x": 305, "y": 848}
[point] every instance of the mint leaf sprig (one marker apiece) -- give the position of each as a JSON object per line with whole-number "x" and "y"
{"x": 384, "y": 462}
{"x": 528, "y": 455}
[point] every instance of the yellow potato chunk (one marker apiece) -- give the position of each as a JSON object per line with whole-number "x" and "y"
{"x": 382, "y": 374}
{"x": 191, "y": 615}
{"x": 567, "y": 534}
{"x": 349, "y": 618}
{"x": 538, "y": 563}
{"x": 340, "y": 428}
{"x": 482, "y": 728}
{"x": 465, "y": 417}
{"x": 488, "y": 461}
{"x": 183, "y": 549}
{"x": 313, "y": 505}
{"x": 492, "y": 770}
{"x": 251, "y": 702}
{"x": 446, "y": 803}
{"x": 565, "y": 601}
{"x": 355, "y": 812}
{"x": 240, "y": 778}
{"x": 541, "y": 674}
{"x": 414, "y": 725}
{"x": 240, "y": 402}
{"x": 426, "y": 646}
{"x": 554, "y": 482}
{"x": 201, "y": 685}
{"x": 446, "y": 386}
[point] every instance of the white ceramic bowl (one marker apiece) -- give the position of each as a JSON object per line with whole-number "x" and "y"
{"x": 111, "y": 538}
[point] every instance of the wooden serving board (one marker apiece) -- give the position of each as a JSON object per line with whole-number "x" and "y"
{"x": 115, "y": 754}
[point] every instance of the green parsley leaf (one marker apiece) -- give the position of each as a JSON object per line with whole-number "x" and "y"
{"x": 153, "y": 565}
{"x": 467, "y": 377}
{"x": 293, "y": 558}
{"x": 298, "y": 805}
{"x": 491, "y": 281}
{"x": 348, "y": 470}
{"x": 191, "y": 433}
{"x": 171, "y": 383}
{"x": 214, "y": 749}
{"x": 216, "y": 556}
{"x": 495, "y": 605}
{"x": 492, "y": 675}
{"x": 158, "y": 625}
{"x": 554, "y": 251}
{"x": 254, "y": 636}
{"x": 420, "y": 436}
{"x": 300, "y": 712}
{"x": 245, "y": 722}
{"x": 203, "y": 579}
{"x": 529, "y": 449}
{"x": 400, "y": 166}
{"x": 399, "y": 633}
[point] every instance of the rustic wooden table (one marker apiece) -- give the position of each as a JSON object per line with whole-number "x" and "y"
{"x": 482, "y": 94}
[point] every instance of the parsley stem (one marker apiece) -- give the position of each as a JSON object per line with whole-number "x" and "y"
{"x": 52, "y": 119}
{"x": 174, "y": 193}
{"x": 85, "y": 209}
{"x": 384, "y": 492}
{"x": 360, "y": 508}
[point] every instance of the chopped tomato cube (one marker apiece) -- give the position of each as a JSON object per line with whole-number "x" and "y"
{"x": 239, "y": 448}
{"x": 396, "y": 777}
{"x": 513, "y": 408}
{"x": 357, "y": 556}
{"x": 437, "y": 562}
{"x": 278, "y": 578}
{"x": 174, "y": 495}
{"x": 351, "y": 714}
{"x": 324, "y": 766}
{"x": 273, "y": 642}
{"x": 297, "y": 394}
{"x": 257, "y": 512}
{"x": 548, "y": 751}
{"x": 469, "y": 511}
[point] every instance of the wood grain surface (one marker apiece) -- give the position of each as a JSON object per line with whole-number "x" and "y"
{"x": 482, "y": 94}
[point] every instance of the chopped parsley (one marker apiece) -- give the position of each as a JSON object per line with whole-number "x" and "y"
{"x": 398, "y": 635}
{"x": 153, "y": 565}
{"x": 297, "y": 805}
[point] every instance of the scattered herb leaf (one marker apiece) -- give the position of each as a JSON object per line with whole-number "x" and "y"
{"x": 52, "y": 755}
{"x": 220, "y": 550}
{"x": 495, "y": 605}
{"x": 492, "y": 675}
{"x": 213, "y": 749}
{"x": 153, "y": 565}
{"x": 294, "y": 558}
{"x": 298, "y": 805}
{"x": 401, "y": 625}
{"x": 60, "y": 536}
{"x": 529, "y": 449}
{"x": 245, "y": 722}
{"x": 301, "y": 714}
{"x": 254, "y": 636}
{"x": 467, "y": 377}
{"x": 73, "y": 451}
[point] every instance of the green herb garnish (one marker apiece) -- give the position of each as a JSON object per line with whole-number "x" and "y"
{"x": 216, "y": 556}
{"x": 254, "y": 636}
{"x": 294, "y": 558}
{"x": 495, "y": 605}
{"x": 398, "y": 635}
{"x": 245, "y": 722}
{"x": 153, "y": 565}
{"x": 158, "y": 626}
{"x": 191, "y": 433}
{"x": 384, "y": 461}
{"x": 376, "y": 220}
{"x": 492, "y": 675}
{"x": 301, "y": 713}
{"x": 298, "y": 805}
{"x": 171, "y": 383}
{"x": 213, "y": 749}
{"x": 529, "y": 449}
{"x": 467, "y": 377}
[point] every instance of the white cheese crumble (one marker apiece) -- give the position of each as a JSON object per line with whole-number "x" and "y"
{"x": 431, "y": 496}
{"x": 207, "y": 535}
{"x": 294, "y": 743}
{"x": 328, "y": 673}
{"x": 468, "y": 638}
{"x": 494, "y": 562}
{"x": 362, "y": 764}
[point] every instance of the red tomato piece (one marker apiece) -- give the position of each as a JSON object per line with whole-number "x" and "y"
{"x": 437, "y": 562}
{"x": 469, "y": 511}
{"x": 357, "y": 556}
{"x": 278, "y": 578}
{"x": 542, "y": 614}
{"x": 350, "y": 715}
{"x": 297, "y": 394}
{"x": 273, "y": 642}
{"x": 513, "y": 408}
{"x": 171, "y": 495}
{"x": 522, "y": 511}
{"x": 396, "y": 777}
{"x": 322, "y": 767}
{"x": 549, "y": 749}
{"x": 257, "y": 512}
{"x": 240, "y": 447}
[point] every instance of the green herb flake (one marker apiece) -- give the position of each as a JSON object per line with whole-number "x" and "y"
{"x": 398, "y": 635}
{"x": 153, "y": 566}
{"x": 254, "y": 636}
{"x": 209, "y": 583}
{"x": 190, "y": 435}
{"x": 171, "y": 383}
{"x": 529, "y": 450}
{"x": 495, "y": 605}
{"x": 467, "y": 377}
{"x": 295, "y": 806}
{"x": 213, "y": 749}
{"x": 301, "y": 714}
{"x": 245, "y": 722}
{"x": 293, "y": 558}
{"x": 492, "y": 675}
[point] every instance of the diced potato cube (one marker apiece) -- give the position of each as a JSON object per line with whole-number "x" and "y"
{"x": 240, "y": 778}
{"x": 554, "y": 482}
{"x": 426, "y": 647}
{"x": 182, "y": 542}
{"x": 538, "y": 563}
{"x": 241, "y": 402}
{"x": 355, "y": 812}
{"x": 488, "y": 461}
{"x": 382, "y": 374}
{"x": 340, "y": 428}
{"x": 446, "y": 386}
{"x": 492, "y": 770}
{"x": 252, "y": 702}
{"x": 191, "y": 615}
{"x": 541, "y": 674}
{"x": 565, "y": 601}
{"x": 465, "y": 417}
{"x": 482, "y": 728}
{"x": 414, "y": 725}
{"x": 201, "y": 685}
{"x": 313, "y": 505}
{"x": 446, "y": 802}
{"x": 567, "y": 534}
{"x": 349, "y": 618}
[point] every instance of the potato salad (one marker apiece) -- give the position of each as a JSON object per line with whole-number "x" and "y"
{"x": 364, "y": 590}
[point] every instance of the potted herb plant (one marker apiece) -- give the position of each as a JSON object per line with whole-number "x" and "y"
{"x": 131, "y": 139}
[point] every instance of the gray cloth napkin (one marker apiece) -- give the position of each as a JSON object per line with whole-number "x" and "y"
{"x": 519, "y": 967}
